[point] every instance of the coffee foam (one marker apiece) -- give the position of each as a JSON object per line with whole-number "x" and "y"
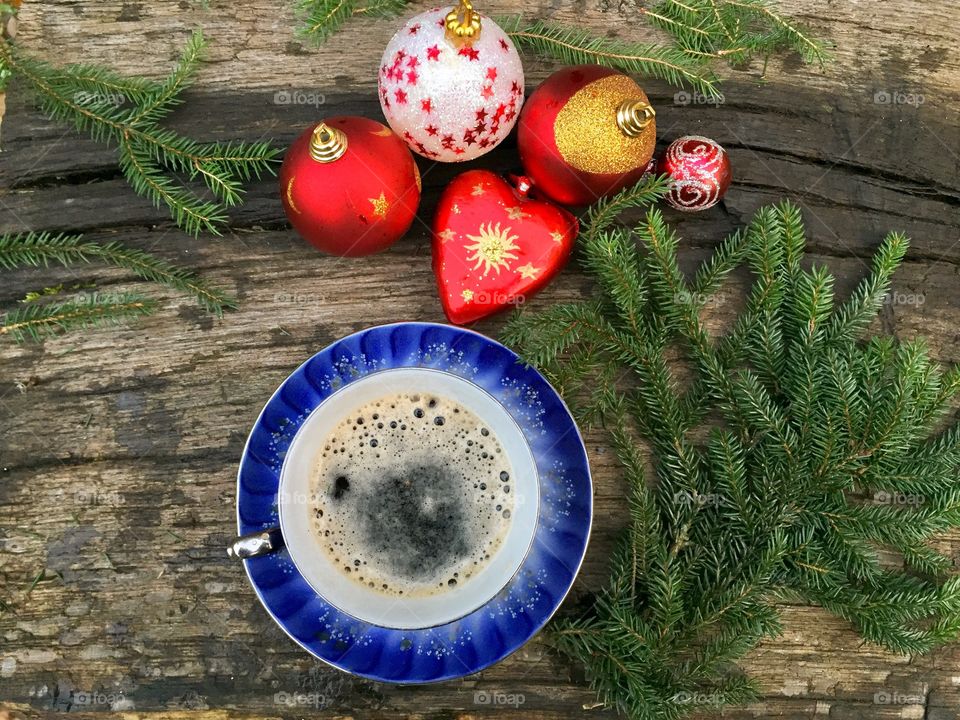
{"x": 412, "y": 495}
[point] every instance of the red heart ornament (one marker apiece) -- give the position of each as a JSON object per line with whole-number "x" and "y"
{"x": 494, "y": 246}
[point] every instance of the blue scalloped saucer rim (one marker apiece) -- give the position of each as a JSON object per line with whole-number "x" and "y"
{"x": 525, "y": 604}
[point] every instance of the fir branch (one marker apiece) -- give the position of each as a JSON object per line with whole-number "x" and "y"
{"x": 35, "y": 249}
{"x": 96, "y": 80}
{"x": 166, "y": 95}
{"x": 146, "y": 177}
{"x": 785, "y": 32}
{"x": 37, "y": 321}
{"x": 322, "y": 18}
{"x": 380, "y": 8}
{"x": 319, "y": 19}
{"x": 732, "y": 30}
{"x": 810, "y": 418}
{"x": 603, "y": 213}
{"x": 863, "y": 305}
{"x": 124, "y": 112}
{"x": 575, "y": 47}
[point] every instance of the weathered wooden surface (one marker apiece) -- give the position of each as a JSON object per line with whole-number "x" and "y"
{"x": 118, "y": 448}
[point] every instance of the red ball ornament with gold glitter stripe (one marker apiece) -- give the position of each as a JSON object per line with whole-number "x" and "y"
{"x": 494, "y": 245}
{"x": 350, "y": 186}
{"x": 587, "y": 131}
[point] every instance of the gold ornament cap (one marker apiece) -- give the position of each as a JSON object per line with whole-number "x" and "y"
{"x": 633, "y": 117}
{"x": 463, "y": 23}
{"x": 327, "y": 143}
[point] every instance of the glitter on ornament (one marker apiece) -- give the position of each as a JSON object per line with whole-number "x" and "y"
{"x": 587, "y": 135}
{"x": 451, "y": 99}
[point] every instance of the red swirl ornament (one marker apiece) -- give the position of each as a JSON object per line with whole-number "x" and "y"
{"x": 699, "y": 170}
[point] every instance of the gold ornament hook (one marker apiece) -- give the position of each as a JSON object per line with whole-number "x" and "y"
{"x": 463, "y": 23}
{"x": 327, "y": 143}
{"x": 633, "y": 116}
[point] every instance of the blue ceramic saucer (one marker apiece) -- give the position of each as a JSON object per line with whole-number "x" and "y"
{"x": 530, "y": 597}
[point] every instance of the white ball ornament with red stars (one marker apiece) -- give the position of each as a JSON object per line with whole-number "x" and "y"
{"x": 451, "y": 84}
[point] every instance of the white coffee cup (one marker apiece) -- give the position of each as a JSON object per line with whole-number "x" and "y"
{"x": 365, "y": 603}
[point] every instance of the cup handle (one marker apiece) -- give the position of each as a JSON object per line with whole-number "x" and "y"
{"x": 262, "y": 542}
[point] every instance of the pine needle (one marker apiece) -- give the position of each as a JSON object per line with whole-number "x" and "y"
{"x": 125, "y": 111}
{"x": 319, "y": 19}
{"x": 35, "y": 249}
{"x": 605, "y": 211}
{"x": 577, "y": 47}
{"x": 801, "y": 419}
{"x": 38, "y": 321}
{"x": 733, "y": 30}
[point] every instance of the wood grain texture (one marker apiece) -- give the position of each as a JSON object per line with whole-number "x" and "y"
{"x": 118, "y": 448}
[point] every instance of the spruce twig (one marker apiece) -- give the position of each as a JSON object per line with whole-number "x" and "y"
{"x": 575, "y": 47}
{"x": 319, "y": 19}
{"x": 37, "y": 321}
{"x": 733, "y": 30}
{"x": 125, "y": 113}
{"x": 35, "y": 249}
{"x": 801, "y": 416}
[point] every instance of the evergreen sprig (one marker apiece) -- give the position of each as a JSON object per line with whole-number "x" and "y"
{"x": 37, "y": 321}
{"x": 787, "y": 453}
{"x": 319, "y": 19}
{"x": 35, "y": 249}
{"x": 125, "y": 111}
{"x": 733, "y": 30}
{"x": 573, "y": 46}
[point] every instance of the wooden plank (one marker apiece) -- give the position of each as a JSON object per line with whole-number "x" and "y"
{"x": 118, "y": 448}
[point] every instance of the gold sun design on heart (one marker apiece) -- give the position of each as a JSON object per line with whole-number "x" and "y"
{"x": 493, "y": 248}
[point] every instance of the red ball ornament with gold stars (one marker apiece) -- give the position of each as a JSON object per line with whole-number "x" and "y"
{"x": 699, "y": 172}
{"x": 587, "y": 131}
{"x": 350, "y": 186}
{"x": 494, "y": 246}
{"x": 451, "y": 83}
